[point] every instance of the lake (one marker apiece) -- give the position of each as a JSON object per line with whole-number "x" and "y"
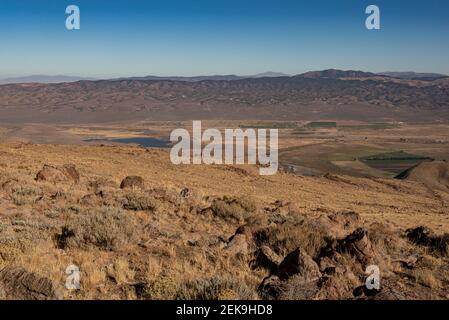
{"x": 146, "y": 142}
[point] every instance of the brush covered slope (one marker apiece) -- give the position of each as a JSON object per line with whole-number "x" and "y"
{"x": 139, "y": 227}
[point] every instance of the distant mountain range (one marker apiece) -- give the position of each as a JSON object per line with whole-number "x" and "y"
{"x": 324, "y": 74}
{"x": 43, "y": 79}
{"x": 229, "y": 77}
{"x": 414, "y": 75}
{"x": 62, "y": 78}
{"x": 319, "y": 95}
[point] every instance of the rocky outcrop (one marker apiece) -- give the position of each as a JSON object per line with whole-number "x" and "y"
{"x": 356, "y": 244}
{"x": 18, "y": 284}
{"x": 267, "y": 259}
{"x": 425, "y": 237}
{"x": 65, "y": 173}
{"x": 298, "y": 262}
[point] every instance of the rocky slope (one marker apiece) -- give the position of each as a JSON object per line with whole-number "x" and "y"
{"x": 139, "y": 227}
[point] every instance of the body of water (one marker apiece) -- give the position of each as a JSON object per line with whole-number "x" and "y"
{"x": 142, "y": 141}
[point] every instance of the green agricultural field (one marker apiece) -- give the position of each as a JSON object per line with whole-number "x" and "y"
{"x": 394, "y": 162}
{"x": 271, "y": 125}
{"x": 322, "y": 124}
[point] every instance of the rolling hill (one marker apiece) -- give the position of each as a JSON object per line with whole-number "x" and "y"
{"x": 329, "y": 94}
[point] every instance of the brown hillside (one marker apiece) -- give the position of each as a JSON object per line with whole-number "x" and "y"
{"x": 434, "y": 175}
{"x": 209, "y": 232}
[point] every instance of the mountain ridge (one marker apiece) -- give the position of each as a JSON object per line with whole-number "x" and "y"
{"x": 329, "y": 94}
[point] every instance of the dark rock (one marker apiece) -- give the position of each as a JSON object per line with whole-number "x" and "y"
{"x": 271, "y": 288}
{"x": 267, "y": 259}
{"x": 185, "y": 193}
{"x": 298, "y": 262}
{"x": 61, "y": 239}
{"x": 18, "y": 284}
{"x": 425, "y": 237}
{"x": 356, "y": 244}
{"x": 132, "y": 182}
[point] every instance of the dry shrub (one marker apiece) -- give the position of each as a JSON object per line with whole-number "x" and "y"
{"x": 25, "y": 194}
{"x": 426, "y": 277}
{"x": 425, "y": 269}
{"x": 138, "y": 200}
{"x": 297, "y": 289}
{"x": 8, "y": 253}
{"x": 216, "y": 288}
{"x": 120, "y": 271}
{"x": 233, "y": 209}
{"x": 106, "y": 228}
{"x": 163, "y": 288}
{"x": 286, "y": 237}
{"x": 60, "y": 210}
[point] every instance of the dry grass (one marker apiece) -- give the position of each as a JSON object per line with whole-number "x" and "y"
{"x": 171, "y": 240}
{"x": 107, "y": 228}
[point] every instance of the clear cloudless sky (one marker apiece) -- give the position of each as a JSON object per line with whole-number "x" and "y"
{"x": 199, "y": 37}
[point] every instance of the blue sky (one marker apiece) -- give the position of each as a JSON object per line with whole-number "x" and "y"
{"x": 193, "y": 37}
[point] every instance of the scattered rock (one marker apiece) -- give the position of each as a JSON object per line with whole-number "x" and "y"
{"x": 132, "y": 182}
{"x": 238, "y": 244}
{"x": 346, "y": 219}
{"x": 65, "y": 173}
{"x": 298, "y": 262}
{"x": 9, "y": 185}
{"x": 281, "y": 207}
{"x": 18, "y": 284}
{"x": 267, "y": 259}
{"x": 356, "y": 244}
{"x": 245, "y": 230}
{"x": 336, "y": 225}
{"x": 185, "y": 193}
{"x": 61, "y": 239}
{"x": 271, "y": 287}
{"x": 71, "y": 172}
{"x": 425, "y": 237}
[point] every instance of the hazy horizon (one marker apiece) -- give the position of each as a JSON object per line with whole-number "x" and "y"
{"x": 103, "y": 77}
